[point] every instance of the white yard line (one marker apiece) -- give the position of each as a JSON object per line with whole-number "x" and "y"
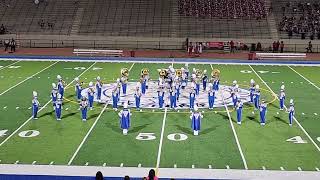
{"x": 304, "y": 78}
{"x": 306, "y": 133}
{"x": 14, "y": 132}
{"x": 161, "y": 138}
{"x": 28, "y": 78}
{"x": 9, "y": 65}
{"x": 235, "y": 135}
{"x": 87, "y": 135}
{"x": 131, "y": 66}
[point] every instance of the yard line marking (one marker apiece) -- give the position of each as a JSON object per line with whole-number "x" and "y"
{"x": 87, "y": 135}
{"x": 317, "y": 169}
{"x": 17, "y": 107}
{"x": 264, "y": 168}
{"x": 28, "y": 78}
{"x": 235, "y": 135}
{"x": 16, "y": 162}
{"x": 175, "y": 166}
{"x": 104, "y": 164}
{"x": 139, "y": 165}
{"x": 281, "y": 168}
{"x": 304, "y": 78}
{"x": 227, "y": 166}
{"x": 307, "y": 134}
{"x": 210, "y": 167}
{"x": 51, "y": 163}
{"x": 121, "y": 165}
{"x": 9, "y": 65}
{"x": 131, "y": 66}
{"x": 29, "y": 107}
{"x": 299, "y": 168}
{"x": 34, "y": 162}
{"x": 161, "y": 138}
{"x": 192, "y": 166}
{"x": 44, "y": 106}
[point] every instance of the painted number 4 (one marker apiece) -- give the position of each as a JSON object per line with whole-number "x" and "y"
{"x": 297, "y": 140}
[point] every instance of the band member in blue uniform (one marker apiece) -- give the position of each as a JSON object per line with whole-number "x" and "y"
{"x": 192, "y": 98}
{"x": 177, "y": 87}
{"x": 252, "y": 90}
{"x": 196, "y": 118}
{"x": 173, "y": 97}
{"x": 99, "y": 88}
{"x": 35, "y": 105}
{"x": 84, "y": 108}
{"x": 257, "y": 97}
{"x": 263, "y": 112}
{"x": 60, "y": 85}
{"x": 291, "y": 112}
{"x": 124, "y": 82}
{"x": 197, "y": 81}
{"x": 204, "y": 80}
{"x": 161, "y": 97}
{"x": 115, "y": 99}
{"x": 211, "y": 96}
{"x": 186, "y": 71}
{"x": 58, "y": 108}
{"x": 125, "y": 116}
{"x": 239, "y": 111}
{"x": 78, "y": 88}
{"x": 91, "y": 95}
{"x": 143, "y": 82}
{"x": 184, "y": 78}
{"x": 282, "y": 97}
{"x": 54, "y": 94}
{"x": 235, "y": 95}
{"x": 138, "y": 95}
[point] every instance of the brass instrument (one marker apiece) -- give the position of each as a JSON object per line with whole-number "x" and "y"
{"x": 145, "y": 71}
{"x": 163, "y": 73}
{"x": 125, "y": 72}
{"x": 198, "y": 73}
{"x": 179, "y": 72}
{"x": 215, "y": 73}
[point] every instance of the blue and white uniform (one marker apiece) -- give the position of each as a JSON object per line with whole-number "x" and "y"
{"x": 91, "y": 95}
{"x": 143, "y": 85}
{"x": 239, "y": 111}
{"x": 115, "y": 99}
{"x": 84, "y": 108}
{"x": 177, "y": 87}
{"x": 211, "y": 96}
{"x": 161, "y": 98}
{"x": 124, "y": 82}
{"x": 196, "y": 121}
{"x": 216, "y": 83}
{"x": 186, "y": 71}
{"x": 257, "y": 97}
{"x": 137, "y": 96}
{"x": 60, "y": 85}
{"x": 235, "y": 95}
{"x": 192, "y": 98}
{"x": 252, "y": 90}
{"x": 99, "y": 88}
{"x": 54, "y": 94}
{"x": 58, "y": 108}
{"x": 291, "y": 112}
{"x": 35, "y": 105}
{"x": 184, "y": 78}
{"x": 282, "y": 97}
{"x": 263, "y": 112}
{"x": 125, "y": 119}
{"x": 197, "y": 81}
{"x": 173, "y": 97}
{"x": 204, "y": 80}
{"x": 78, "y": 89}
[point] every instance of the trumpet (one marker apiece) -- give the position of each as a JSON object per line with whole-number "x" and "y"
{"x": 215, "y": 73}
{"x": 125, "y": 72}
{"x": 145, "y": 71}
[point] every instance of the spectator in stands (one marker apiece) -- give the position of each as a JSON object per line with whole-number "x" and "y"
{"x": 274, "y": 46}
{"x": 200, "y": 47}
{"x": 126, "y": 178}
{"x": 259, "y": 46}
{"x": 2, "y": 29}
{"x": 13, "y": 45}
{"x": 232, "y": 47}
{"x": 309, "y": 48}
{"x": 99, "y": 175}
{"x": 6, "y": 44}
{"x": 281, "y": 46}
{"x": 190, "y": 48}
{"x": 277, "y": 46}
{"x": 152, "y": 175}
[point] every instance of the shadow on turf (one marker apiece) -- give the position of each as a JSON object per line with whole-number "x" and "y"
{"x": 280, "y": 119}
{"x": 190, "y": 132}
{"x": 134, "y": 129}
{"x": 46, "y": 114}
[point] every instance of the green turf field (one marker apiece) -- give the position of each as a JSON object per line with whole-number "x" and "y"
{"x": 158, "y": 138}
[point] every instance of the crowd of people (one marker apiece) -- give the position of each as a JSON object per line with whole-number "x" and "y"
{"x": 252, "y": 9}
{"x": 301, "y": 19}
{"x": 10, "y": 44}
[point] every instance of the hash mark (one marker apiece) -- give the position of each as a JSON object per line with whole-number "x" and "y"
{"x": 86, "y": 164}
{"x": 175, "y": 166}
{"x": 317, "y": 169}
{"x": 264, "y": 168}
{"x": 299, "y": 168}
{"x": 192, "y": 166}
{"x": 121, "y": 165}
{"x": 303, "y": 113}
{"x": 51, "y": 163}
{"x": 29, "y": 107}
{"x": 139, "y": 165}
{"x": 228, "y": 167}
{"x": 16, "y": 162}
{"x": 210, "y": 167}
{"x": 315, "y": 114}
{"x": 34, "y": 162}
{"x": 5, "y": 107}
{"x": 282, "y": 169}
{"x": 17, "y": 107}
{"x": 291, "y": 82}
{"x": 104, "y": 164}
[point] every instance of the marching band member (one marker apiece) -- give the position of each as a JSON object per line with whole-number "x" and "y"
{"x": 54, "y": 94}
{"x": 186, "y": 71}
{"x": 177, "y": 87}
{"x": 263, "y": 112}
{"x": 125, "y": 119}
{"x": 252, "y": 90}
{"x": 161, "y": 97}
{"x": 216, "y": 83}
{"x": 257, "y": 97}
{"x": 115, "y": 99}
{"x": 124, "y": 82}
{"x": 84, "y": 108}
{"x": 211, "y": 94}
{"x": 235, "y": 95}
{"x": 173, "y": 97}
{"x": 291, "y": 112}
{"x": 197, "y": 81}
{"x": 192, "y": 98}
{"x": 239, "y": 111}
{"x": 118, "y": 84}
{"x": 143, "y": 84}
{"x": 35, "y": 105}
{"x": 58, "y": 108}
{"x": 78, "y": 88}
{"x": 91, "y": 95}
{"x": 282, "y": 97}
{"x": 196, "y": 121}
{"x": 184, "y": 78}
{"x": 60, "y": 85}
{"x": 138, "y": 95}
{"x": 99, "y": 88}
{"x": 204, "y": 79}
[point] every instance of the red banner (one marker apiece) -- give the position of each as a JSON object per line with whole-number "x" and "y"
{"x": 214, "y": 45}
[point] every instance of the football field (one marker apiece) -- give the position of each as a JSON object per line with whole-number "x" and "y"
{"x": 159, "y": 138}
